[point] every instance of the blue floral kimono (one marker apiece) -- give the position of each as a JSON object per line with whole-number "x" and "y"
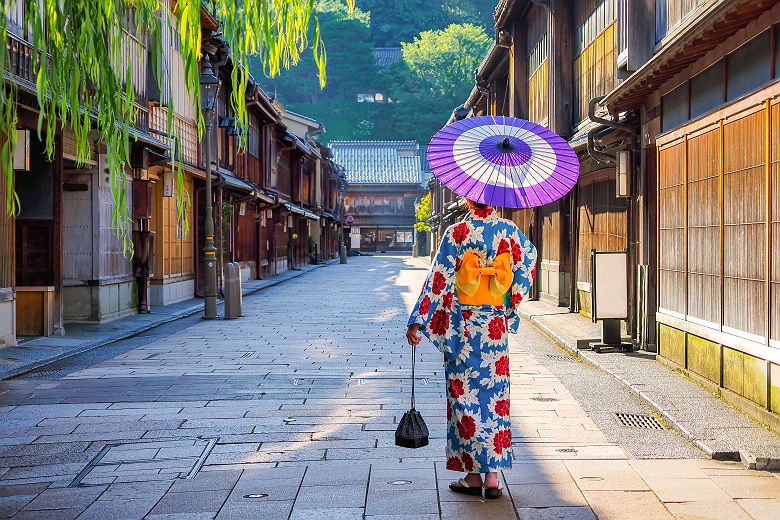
{"x": 473, "y": 338}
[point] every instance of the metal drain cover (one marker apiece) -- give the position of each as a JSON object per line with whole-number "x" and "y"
{"x": 133, "y": 461}
{"x": 635, "y": 420}
{"x": 545, "y": 399}
{"x": 559, "y": 357}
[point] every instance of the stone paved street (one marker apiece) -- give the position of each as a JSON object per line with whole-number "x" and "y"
{"x": 290, "y": 411}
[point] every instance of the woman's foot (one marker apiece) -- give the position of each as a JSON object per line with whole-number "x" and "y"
{"x": 471, "y": 484}
{"x": 492, "y": 487}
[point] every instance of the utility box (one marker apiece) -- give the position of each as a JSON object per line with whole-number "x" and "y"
{"x": 233, "y": 297}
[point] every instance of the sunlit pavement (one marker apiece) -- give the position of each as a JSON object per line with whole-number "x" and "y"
{"x": 289, "y": 412}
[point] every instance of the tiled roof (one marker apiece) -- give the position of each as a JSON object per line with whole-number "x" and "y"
{"x": 386, "y": 56}
{"x": 379, "y": 162}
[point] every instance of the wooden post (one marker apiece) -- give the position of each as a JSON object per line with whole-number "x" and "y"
{"x": 57, "y": 228}
{"x": 518, "y": 70}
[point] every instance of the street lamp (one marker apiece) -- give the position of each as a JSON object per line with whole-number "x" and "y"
{"x": 209, "y": 86}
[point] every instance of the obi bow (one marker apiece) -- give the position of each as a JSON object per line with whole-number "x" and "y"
{"x": 483, "y": 285}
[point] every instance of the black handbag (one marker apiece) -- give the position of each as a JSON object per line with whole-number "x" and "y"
{"x": 412, "y": 432}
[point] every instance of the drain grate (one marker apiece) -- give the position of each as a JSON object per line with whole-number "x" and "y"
{"x": 138, "y": 461}
{"x": 559, "y": 357}
{"x": 545, "y": 399}
{"x": 634, "y": 420}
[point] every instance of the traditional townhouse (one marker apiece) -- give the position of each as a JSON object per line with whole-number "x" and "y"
{"x": 702, "y": 90}
{"x": 384, "y": 180}
{"x": 548, "y": 61}
{"x": 66, "y": 262}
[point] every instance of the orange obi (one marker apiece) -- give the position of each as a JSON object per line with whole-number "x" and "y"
{"x": 483, "y": 285}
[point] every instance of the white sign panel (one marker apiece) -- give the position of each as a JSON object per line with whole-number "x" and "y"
{"x": 610, "y": 286}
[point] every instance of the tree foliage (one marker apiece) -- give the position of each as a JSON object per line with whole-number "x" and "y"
{"x": 423, "y": 213}
{"x": 443, "y": 62}
{"x": 402, "y": 20}
{"x": 350, "y": 59}
{"x": 84, "y": 82}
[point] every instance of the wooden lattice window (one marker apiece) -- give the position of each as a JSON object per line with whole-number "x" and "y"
{"x": 703, "y": 193}
{"x": 775, "y": 227}
{"x": 671, "y": 228}
{"x": 744, "y": 224}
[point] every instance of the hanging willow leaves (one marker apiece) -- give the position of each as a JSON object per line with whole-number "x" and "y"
{"x": 84, "y": 74}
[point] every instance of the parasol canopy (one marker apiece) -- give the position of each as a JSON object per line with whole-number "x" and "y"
{"x": 503, "y": 161}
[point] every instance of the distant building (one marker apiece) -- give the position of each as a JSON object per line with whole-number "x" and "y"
{"x": 386, "y": 56}
{"x": 384, "y": 180}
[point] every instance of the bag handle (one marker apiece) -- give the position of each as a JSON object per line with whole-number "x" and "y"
{"x": 414, "y": 348}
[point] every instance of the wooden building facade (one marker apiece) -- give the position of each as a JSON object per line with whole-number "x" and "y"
{"x": 384, "y": 181}
{"x": 548, "y": 62}
{"x": 60, "y": 258}
{"x": 706, "y": 104}
{"x": 688, "y": 92}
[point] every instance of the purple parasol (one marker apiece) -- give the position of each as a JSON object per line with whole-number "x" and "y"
{"x": 503, "y": 161}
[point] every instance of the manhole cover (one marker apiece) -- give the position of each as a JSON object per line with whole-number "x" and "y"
{"x": 133, "y": 461}
{"x": 544, "y": 399}
{"x": 635, "y": 420}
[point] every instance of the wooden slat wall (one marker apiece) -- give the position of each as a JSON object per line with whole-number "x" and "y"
{"x": 602, "y": 223}
{"x": 744, "y": 215}
{"x": 551, "y": 236}
{"x": 7, "y": 226}
{"x": 595, "y": 66}
{"x": 740, "y": 151}
{"x": 704, "y": 226}
{"x": 246, "y": 234}
{"x": 671, "y": 228}
{"x": 538, "y": 65}
{"x": 676, "y": 11}
{"x": 775, "y": 225}
{"x": 173, "y": 243}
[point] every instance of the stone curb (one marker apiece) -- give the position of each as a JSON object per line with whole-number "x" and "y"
{"x": 186, "y": 313}
{"x": 717, "y": 455}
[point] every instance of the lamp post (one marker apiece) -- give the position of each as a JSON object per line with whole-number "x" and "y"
{"x": 209, "y": 86}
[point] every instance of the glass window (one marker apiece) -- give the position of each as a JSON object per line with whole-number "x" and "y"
{"x": 749, "y": 66}
{"x": 674, "y": 107}
{"x": 777, "y": 52}
{"x": 707, "y": 90}
{"x": 660, "y": 20}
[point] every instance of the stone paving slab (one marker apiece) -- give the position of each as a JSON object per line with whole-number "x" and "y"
{"x": 31, "y": 353}
{"x": 304, "y": 416}
{"x": 714, "y": 425}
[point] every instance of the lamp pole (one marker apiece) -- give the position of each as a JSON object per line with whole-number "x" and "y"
{"x": 209, "y": 87}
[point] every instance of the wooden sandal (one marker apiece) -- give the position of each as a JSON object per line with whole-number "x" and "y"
{"x": 493, "y": 493}
{"x": 461, "y": 486}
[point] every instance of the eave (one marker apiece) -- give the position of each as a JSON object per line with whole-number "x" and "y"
{"x": 698, "y": 37}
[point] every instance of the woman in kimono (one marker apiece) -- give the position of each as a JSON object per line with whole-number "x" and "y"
{"x": 482, "y": 271}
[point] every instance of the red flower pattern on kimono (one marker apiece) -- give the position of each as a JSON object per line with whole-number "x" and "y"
{"x": 497, "y": 328}
{"x": 467, "y": 427}
{"x": 502, "y": 366}
{"x": 456, "y": 388}
{"x": 440, "y": 322}
{"x": 454, "y": 464}
{"x": 425, "y": 305}
{"x": 502, "y": 440}
{"x": 461, "y": 232}
{"x": 439, "y": 283}
{"x": 502, "y": 407}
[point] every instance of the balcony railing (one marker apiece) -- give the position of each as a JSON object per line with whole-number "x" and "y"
{"x": 22, "y": 57}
